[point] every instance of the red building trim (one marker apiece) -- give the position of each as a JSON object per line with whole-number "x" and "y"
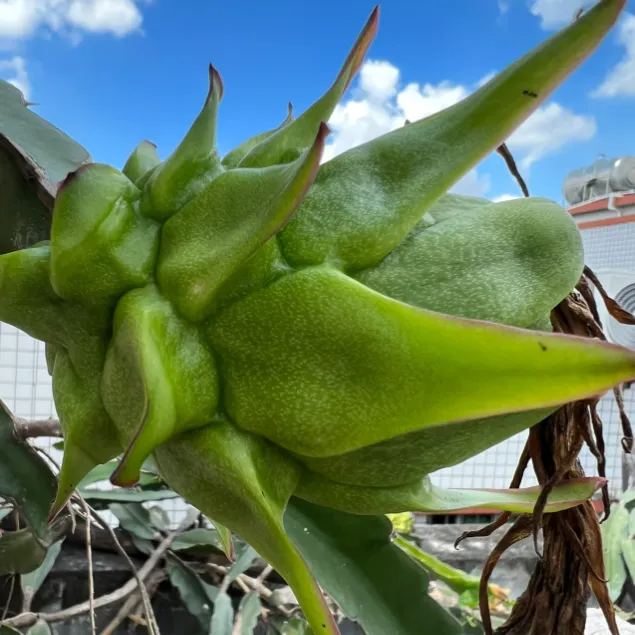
{"x": 593, "y": 206}
{"x": 605, "y": 222}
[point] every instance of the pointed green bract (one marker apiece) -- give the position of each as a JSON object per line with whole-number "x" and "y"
{"x": 286, "y": 143}
{"x": 143, "y": 159}
{"x": 233, "y": 158}
{"x": 366, "y": 200}
{"x": 203, "y": 245}
{"x": 423, "y": 496}
{"x": 89, "y": 434}
{"x": 370, "y": 368}
{"x": 193, "y": 164}
{"x": 159, "y": 378}
{"x": 245, "y": 483}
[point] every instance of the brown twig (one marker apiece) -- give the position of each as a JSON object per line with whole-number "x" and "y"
{"x": 89, "y": 558}
{"x": 26, "y": 429}
{"x": 24, "y": 620}
{"x": 153, "y": 581}
{"x": 152, "y": 622}
{"x": 508, "y": 157}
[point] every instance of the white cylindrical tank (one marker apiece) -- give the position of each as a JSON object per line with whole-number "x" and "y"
{"x": 603, "y": 177}
{"x": 623, "y": 174}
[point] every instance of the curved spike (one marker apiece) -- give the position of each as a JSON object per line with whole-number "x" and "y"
{"x": 143, "y": 159}
{"x": 193, "y": 164}
{"x": 287, "y": 142}
{"x": 233, "y": 158}
{"x": 159, "y": 378}
{"x": 245, "y": 484}
{"x": 370, "y": 368}
{"x": 423, "y": 496}
{"x": 89, "y": 435}
{"x": 366, "y": 200}
{"x": 205, "y": 243}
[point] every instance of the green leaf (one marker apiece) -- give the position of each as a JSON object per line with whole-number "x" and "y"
{"x": 200, "y": 539}
{"x": 34, "y": 157}
{"x": 225, "y": 536}
{"x": 39, "y": 628}
{"x": 343, "y": 345}
{"x": 245, "y": 558}
{"x": 286, "y": 143}
{"x": 372, "y": 580}
{"x": 159, "y": 518}
{"x": 223, "y": 616}
{"x": 31, "y": 582}
{"x": 134, "y": 518}
{"x": 457, "y": 580}
{"x": 8, "y": 630}
{"x": 614, "y": 531}
{"x": 197, "y": 595}
{"x": 25, "y": 478}
{"x": 121, "y": 495}
{"x": 104, "y": 472}
{"x": 20, "y": 552}
{"x": 249, "y": 611}
{"x": 628, "y": 553}
{"x": 41, "y": 144}
{"x": 365, "y": 201}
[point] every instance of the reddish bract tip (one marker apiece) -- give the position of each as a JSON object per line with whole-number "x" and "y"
{"x": 363, "y": 42}
{"x": 215, "y": 84}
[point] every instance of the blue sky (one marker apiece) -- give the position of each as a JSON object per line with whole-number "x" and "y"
{"x": 112, "y": 72}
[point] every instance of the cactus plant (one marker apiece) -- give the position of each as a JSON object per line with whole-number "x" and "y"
{"x": 267, "y": 327}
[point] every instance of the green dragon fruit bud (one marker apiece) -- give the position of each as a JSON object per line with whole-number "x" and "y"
{"x": 268, "y": 328}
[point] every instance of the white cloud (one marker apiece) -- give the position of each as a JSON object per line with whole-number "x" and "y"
{"x": 555, "y": 13}
{"x": 503, "y": 6}
{"x": 378, "y": 79}
{"x": 549, "y": 129}
{"x": 118, "y": 17}
{"x": 21, "y": 19}
{"x": 621, "y": 80}
{"x": 14, "y": 71}
{"x": 380, "y": 105}
{"x": 473, "y": 184}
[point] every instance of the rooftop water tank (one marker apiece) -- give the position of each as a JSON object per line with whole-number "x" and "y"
{"x": 603, "y": 177}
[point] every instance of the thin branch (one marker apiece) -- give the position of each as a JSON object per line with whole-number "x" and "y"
{"x": 26, "y": 429}
{"x": 5, "y": 610}
{"x": 147, "y": 605}
{"x": 251, "y": 584}
{"x": 132, "y": 602}
{"x": 91, "y": 578}
{"x": 508, "y": 157}
{"x": 28, "y": 619}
